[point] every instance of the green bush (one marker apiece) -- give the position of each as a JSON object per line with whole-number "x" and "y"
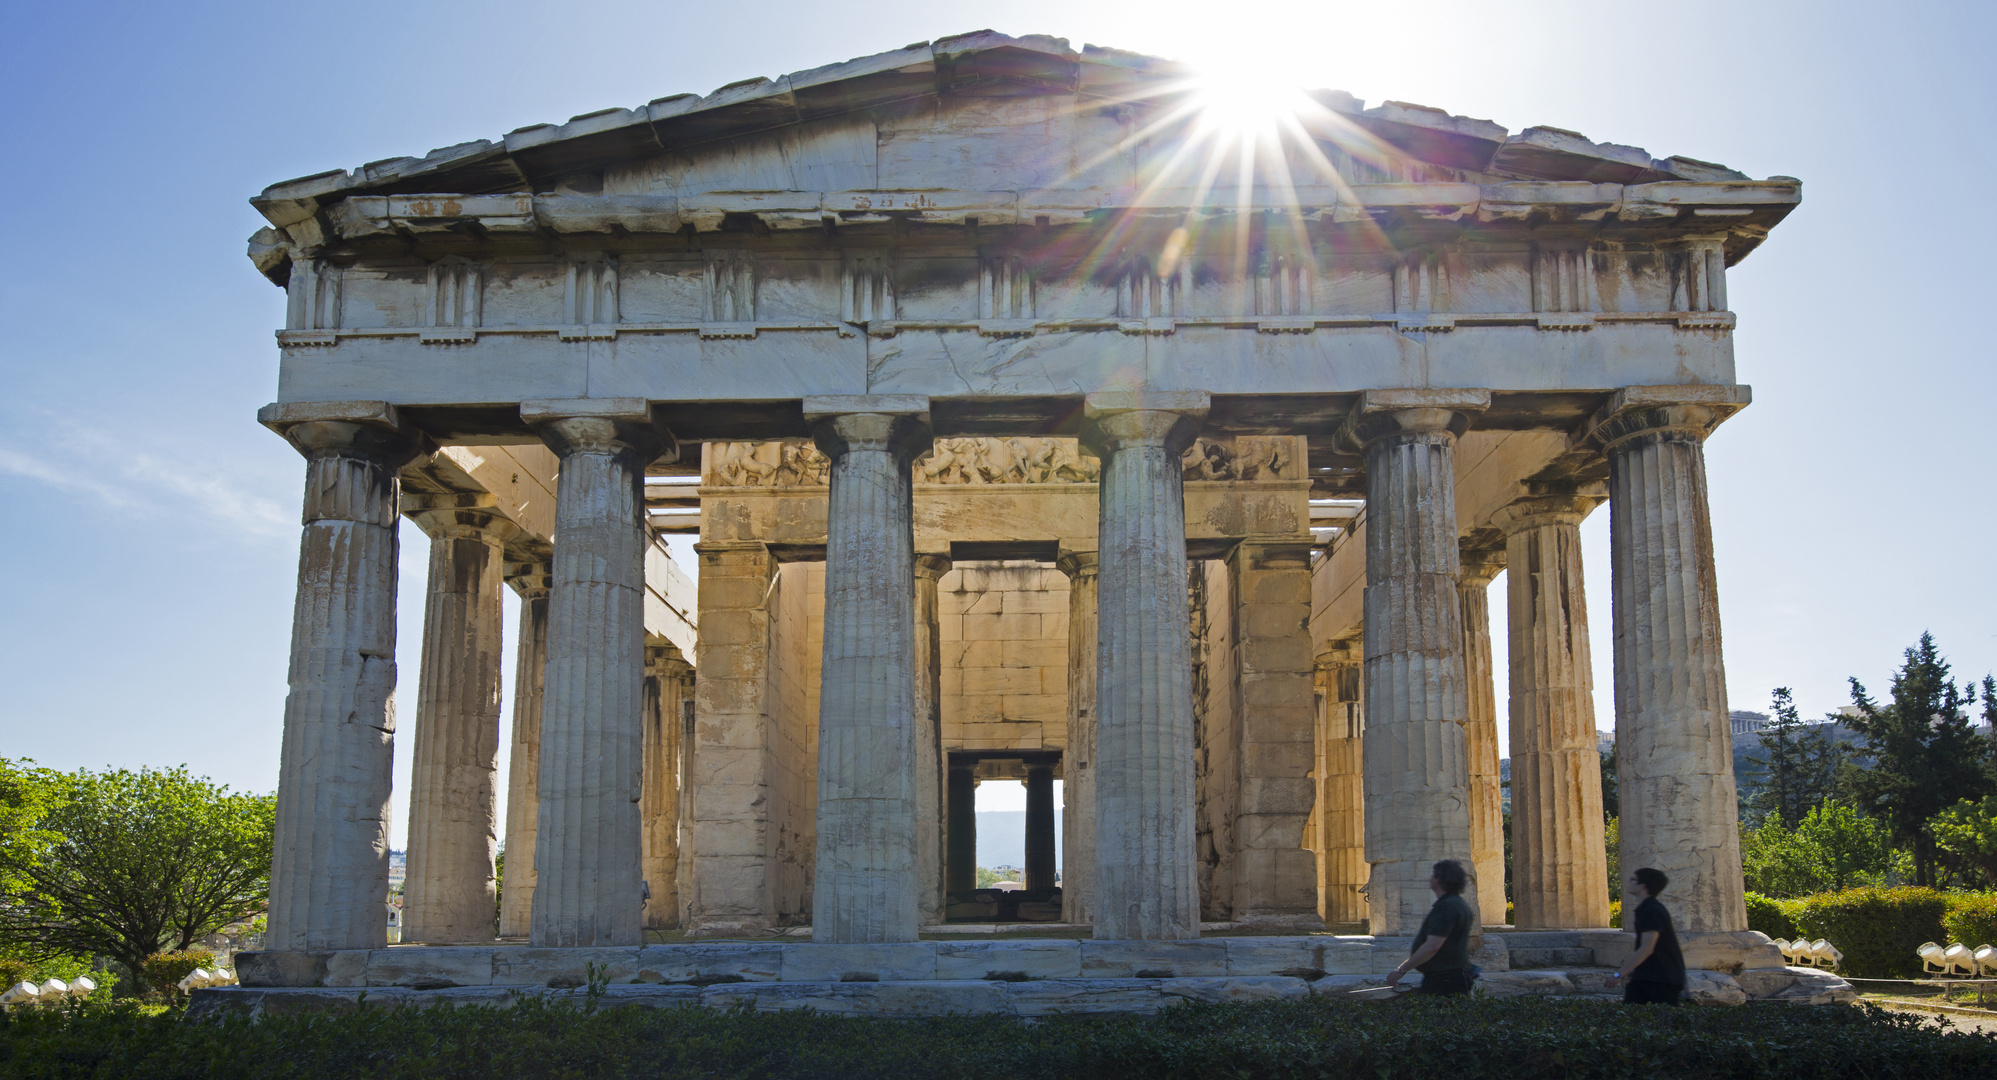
{"x": 1971, "y": 918}
{"x": 1770, "y": 916}
{"x": 1546, "y": 1039}
{"x": 163, "y": 970}
{"x": 1876, "y": 929}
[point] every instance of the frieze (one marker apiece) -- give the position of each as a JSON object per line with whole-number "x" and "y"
{"x": 973, "y": 461}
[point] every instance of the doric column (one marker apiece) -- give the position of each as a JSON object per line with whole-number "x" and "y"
{"x": 449, "y": 895}
{"x": 865, "y": 888}
{"x": 728, "y": 847}
{"x": 1559, "y": 864}
{"x": 1078, "y": 761}
{"x": 667, "y": 678}
{"x": 1674, "y": 757}
{"x": 1145, "y": 884}
{"x": 523, "y": 772}
{"x": 1275, "y": 872}
{"x": 1039, "y": 828}
{"x": 1416, "y": 757}
{"x": 588, "y": 848}
{"x": 1341, "y": 807}
{"x": 1480, "y": 734}
{"x": 928, "y": 712}
{"x": 329, "y": 866}
{"x": 961, "y": 854}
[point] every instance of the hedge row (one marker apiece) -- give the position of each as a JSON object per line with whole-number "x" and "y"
{"x": 1416, "y": 1037}
{"x": 1879, "y": 929}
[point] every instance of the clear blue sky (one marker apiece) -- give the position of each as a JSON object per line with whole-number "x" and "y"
{"x": 150, "y": 524}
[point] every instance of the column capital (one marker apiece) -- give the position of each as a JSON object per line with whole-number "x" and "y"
{"x": 1113, "y": 419}
{"x": 1078, "y": 564}
{"x": 895, "y": 423}
{"x": 666, "y": 660}
{"x": 1339, "y": 652}
{"x": 1684, "y": 412}
{"x": 600, "y": 425}
{"x": 1383, "y": 414}
{"x": 367, "y": 429}
{"x": 1480, "y": 566}
{"x": 1534, "y": 511}
{"x": 531, "y": 579}
{"x": 932, "y": 566}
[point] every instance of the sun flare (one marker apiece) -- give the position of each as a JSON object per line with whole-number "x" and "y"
{"x": 1243, "y": 101}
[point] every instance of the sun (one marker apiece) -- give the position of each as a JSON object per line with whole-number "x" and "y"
{"x": 1238, "y": 99}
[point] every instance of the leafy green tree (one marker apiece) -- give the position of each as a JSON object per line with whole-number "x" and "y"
{"x": 1928, "y": 756}
{"x": 1799, "y": 768}
{"x": 1966, "y": 835}
{"x": 1832, "y": 848}
{"x": 126, "y": 864}
{"x": 1612, "y": 804}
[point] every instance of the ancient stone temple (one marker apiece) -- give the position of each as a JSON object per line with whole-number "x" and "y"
{"x": 1033, "y": 428}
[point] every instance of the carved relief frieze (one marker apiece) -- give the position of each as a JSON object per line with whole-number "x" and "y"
{"x": 590, "y": 292}
{"x": 797, "y": 463}
{"x": 1244, "y": 457}
{"x": 1563, "y": 280}
{"x": 1006, "y": 288}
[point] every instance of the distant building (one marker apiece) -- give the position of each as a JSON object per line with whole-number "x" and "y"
{"x": 1747, "y": 723}
{"x": 398, "y": 869}
{"x": 1605, "y": 742}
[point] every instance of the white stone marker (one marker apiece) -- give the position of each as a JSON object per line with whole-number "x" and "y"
{"x": 329, "y": 868}
{"x": 865, "y": 889}
{"x": 1078, "y": 765}
{"x": 449, "y": 895}
{"x": 1560, "y": 876}
{"x": 523, "y": 801}
{"x": 1416, "y": 753}
{"x": 587, "y": 845}
{"x": 1145, "y": 887}
{"x": 1674, "y": 749}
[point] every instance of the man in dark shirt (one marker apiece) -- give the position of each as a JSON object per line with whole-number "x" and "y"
{"x": 1442, "y": 948}
{"x": 1655, "y": 972}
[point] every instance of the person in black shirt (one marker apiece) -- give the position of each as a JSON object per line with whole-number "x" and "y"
{"x": 1442, "y": 948}
{"x": 1655, "y": 972}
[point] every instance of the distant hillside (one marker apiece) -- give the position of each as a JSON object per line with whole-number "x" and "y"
{"x": 1002, "y": 838}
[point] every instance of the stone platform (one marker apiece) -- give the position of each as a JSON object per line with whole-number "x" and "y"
{"x": 1012, "y": 976}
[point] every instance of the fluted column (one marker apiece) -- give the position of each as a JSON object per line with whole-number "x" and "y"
{"x": 1078, "y": 761}
{"x": 866, "y": 888}
{"x": 1674, "y": 759}
{"x": 1145, "y": 883}
{"x": 1560, "y": 867}
{"x": 961, "y": 857}
{"x": 588, "y": 847}
{"x": 928, "y": 712}
{"x": 1039, "y": 869}
{"x": 329, "y": 865}
{"x": 1341, "y": 808}
{"x": 1480, "y": 734}
{"x": 667, "y": 675}
{"x": 1416, "y": 753}
{"x": 450, "y": 892}
{"x": 523, "y": 771}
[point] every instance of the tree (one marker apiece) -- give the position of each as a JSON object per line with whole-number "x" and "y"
{"x": 1611, "y": 795}
{"x": 1966, "y": 835}
{"x": 126, "y": 864}
{"x": 1832, "y": 848}
{"x": 1928, "y": 756}
{"x": 1799, "y": 767}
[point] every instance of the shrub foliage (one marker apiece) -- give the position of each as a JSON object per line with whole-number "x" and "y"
{"x": 1770, "y": 916}
{"x": 1876, "y": 929}
{"x": 163, "y": 970}
{"x": 1972, "y": 919}
{"x": 1322, "y": 1037}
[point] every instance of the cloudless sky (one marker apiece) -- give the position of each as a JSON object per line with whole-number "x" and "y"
{"x": 150, "y": 528}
